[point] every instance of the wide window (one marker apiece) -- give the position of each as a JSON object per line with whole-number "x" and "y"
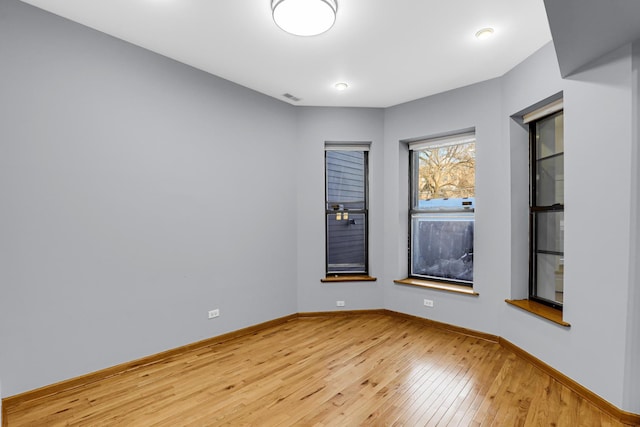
{"x": 546, "y": 212}
{"x": 346, "y": 213}
{"x": 441, "y": 220}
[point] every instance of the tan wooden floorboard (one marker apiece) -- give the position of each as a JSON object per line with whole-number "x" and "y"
{"x": 371, "y": 369}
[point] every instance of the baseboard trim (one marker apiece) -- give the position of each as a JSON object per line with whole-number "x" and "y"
{"x": 621, "y": 415}
{"x": 341, "y": 313}
{"x": 83, "y": 380}
{"x": 446, "y": 326}
{"x": 49, "y": 390}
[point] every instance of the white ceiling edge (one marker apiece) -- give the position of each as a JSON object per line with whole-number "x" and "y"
{"x": 388, "y": 52}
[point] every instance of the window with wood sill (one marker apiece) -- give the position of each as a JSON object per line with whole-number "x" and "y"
{"x": 348, "y": 278}
{"x": 346, "y": 211}
{"x": 440, "y": 286}
{"x": 441, "y": 212}
{"x": 542, "y": 310}
{"x": 546, "y": 213}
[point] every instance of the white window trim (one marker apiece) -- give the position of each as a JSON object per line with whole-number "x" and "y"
{"x": 545, "y": 110}
{"x": 444, "y": 141}
{"x": 347, "y": 146}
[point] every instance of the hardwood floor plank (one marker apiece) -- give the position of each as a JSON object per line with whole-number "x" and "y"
{"x": 370, "y": 369}
{"x": 458, "y": 401}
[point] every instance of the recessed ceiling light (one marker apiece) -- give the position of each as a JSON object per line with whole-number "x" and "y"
{"x": 341, "y": 86}
{"x": 304, "y": 17}
{"x": 484, "y": 33}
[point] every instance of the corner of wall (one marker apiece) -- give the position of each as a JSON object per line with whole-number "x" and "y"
{"x": 632, "y": 368}
{"x": 3, "y": 418}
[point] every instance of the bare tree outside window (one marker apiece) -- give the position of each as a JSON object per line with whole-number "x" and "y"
{"x": 447, "y": 172}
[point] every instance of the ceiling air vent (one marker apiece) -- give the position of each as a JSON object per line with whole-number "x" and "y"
{"x": 291, "y": 97}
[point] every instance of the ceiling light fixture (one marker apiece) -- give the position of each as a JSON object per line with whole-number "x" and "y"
{"x": 304, "y": 17}
{"x": 341, "y": 86}
{"x": 484, "y": 33}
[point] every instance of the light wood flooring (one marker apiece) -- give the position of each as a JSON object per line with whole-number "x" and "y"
{"x": 370, "y": 369}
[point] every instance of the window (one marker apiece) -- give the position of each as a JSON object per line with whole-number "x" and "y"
{"x": 546, "y": 211}
{"x": 346, "y": 214}
{"x": 441, "y": 211}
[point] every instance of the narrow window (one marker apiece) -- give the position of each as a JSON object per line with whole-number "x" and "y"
{"x": 546, "y": 212}
{"x": 346, "y": 210}
{"x": 441, "y": 217}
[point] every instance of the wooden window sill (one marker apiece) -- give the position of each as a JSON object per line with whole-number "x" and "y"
{"x": 552, "y": 314}
{"x": 354, "y": 278}
{"x": 448, "y": 287}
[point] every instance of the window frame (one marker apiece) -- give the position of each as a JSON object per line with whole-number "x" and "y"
{"x": 363, "y": 147}
{"x": 535, "y": 209}
{"x": 413, "y": 178}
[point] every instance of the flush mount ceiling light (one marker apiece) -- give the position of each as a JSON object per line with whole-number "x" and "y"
{"x": 304, "y": 17}
{"x": 341, "y": 86}
{"x": 484, "y": 33}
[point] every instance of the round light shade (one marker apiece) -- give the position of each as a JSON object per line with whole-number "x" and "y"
{"x": 304, "y": 17}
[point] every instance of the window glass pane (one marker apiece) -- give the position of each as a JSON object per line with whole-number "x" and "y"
{"x": 550, "y": 231}
{"x": 547, "y": 216}
{"x": 550, "y": 181}
{"x": 442, "y": 246}
{"x": 550, "y": 136}
{"x": 549, "y": 165}
{"x": 549, "y": 277}
{"x": 445, "y": 175}
{"x": 345, "y": 172}
{"x": 346, "y": 243}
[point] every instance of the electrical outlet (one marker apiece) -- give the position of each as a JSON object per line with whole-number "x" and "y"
{"x": 339, "y": 303}
{"x": 214, "y": 313}
{"x": 428, "y": 303}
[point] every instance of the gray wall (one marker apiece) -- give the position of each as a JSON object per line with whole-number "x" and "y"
{"x": 599, "y": 149}
{"x": 632, "y": 371}
{"x": 473, "y": 106}
{"x": 133, "y": 201}
{"x": 134, "y": 191}
{"x": 597, "y": 167}
{"x": 316, "y": 125}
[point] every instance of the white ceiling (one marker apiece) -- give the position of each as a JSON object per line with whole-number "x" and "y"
{"x": 389, "y": 51}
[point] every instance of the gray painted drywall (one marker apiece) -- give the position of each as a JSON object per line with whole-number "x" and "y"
{"x": 541, "y": 67}
{"x": 473, "y": 106}
{"x": 315, "y": 126}
{"x": 137, "y": 194}
{"x": 597, "y": 124}
{"x": 632, "y": 369}
{"x": 597, "y": 110}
